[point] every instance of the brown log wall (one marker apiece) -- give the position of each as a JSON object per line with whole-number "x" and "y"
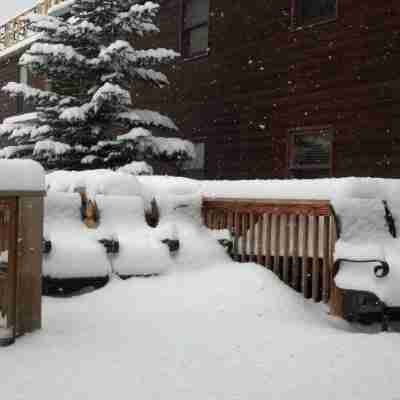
{"x": 261, "y": 78}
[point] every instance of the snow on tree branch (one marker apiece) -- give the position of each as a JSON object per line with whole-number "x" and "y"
{"x": 147, "y": 118}
{"x": 30, "y": 94}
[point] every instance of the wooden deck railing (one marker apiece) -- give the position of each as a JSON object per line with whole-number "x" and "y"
{"x": 293, "y": 238}
{"x": 16, "y": 30}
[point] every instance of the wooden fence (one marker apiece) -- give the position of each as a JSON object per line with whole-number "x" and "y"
{"x": 16, "y": 30}
{"x": 293, "y": 238}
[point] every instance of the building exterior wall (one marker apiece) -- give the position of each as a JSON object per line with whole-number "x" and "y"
{"x": 261, "y": 79}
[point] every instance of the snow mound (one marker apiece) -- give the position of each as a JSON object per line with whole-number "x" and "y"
{"x": 21, "y": 175}
{"x": 365, "y": 237}
{"x": 76, "y": 252}
{"x": 180, "y": 217}
{"x": 94, "y": 182}
{"x": 141, "y": 252}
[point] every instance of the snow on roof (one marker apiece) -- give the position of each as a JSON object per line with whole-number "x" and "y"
{"x": 21, "y": 175}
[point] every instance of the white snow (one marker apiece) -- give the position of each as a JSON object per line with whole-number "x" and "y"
{"x": 135, "y": 134}
{"x": 94, "y": 182}
{"x": 227, "y": 331}
{"x": 21, "y": 175}
{"x": 136, "y": 168}
{"x": 62, "y": 8}
{"x": 207, "y": 328}
{"x": 21, "y": 119}
{"x": 141, "y": 252}
{"x": 170, "y": 146}
{"x": 76, "y": 252}
{"x": 60, "y": 51}
{"x": 148, "y": 117}
{"x": 51, "y": 147}
{"x": 365, "y": 236}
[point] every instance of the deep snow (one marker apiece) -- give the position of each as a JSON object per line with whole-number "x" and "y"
{"x": 227, "y": 331}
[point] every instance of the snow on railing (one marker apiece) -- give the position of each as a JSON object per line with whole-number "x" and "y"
{"x": 15, "y": 30}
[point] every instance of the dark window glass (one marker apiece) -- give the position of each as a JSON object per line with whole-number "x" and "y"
{"x": 195, "y": 27}
{"x": 311, "y": 154}
{"x": 309, "y": 11}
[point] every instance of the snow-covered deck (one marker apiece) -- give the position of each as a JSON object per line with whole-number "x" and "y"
{"x": 225, "y": 331}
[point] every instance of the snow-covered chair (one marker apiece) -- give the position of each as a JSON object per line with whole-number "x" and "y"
{"x": 362, "y": 267}
{"x": 122, "y": 224}
{"x": 74, "y": 253}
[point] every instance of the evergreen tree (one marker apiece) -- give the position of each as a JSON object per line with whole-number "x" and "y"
{"x": 91, "y": 65}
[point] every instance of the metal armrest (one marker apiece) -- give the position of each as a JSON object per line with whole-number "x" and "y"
{"x": 380, "y": 270}
{"x": 111, "y": 245}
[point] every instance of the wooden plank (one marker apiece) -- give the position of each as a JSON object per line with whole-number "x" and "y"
{"x": 244, "y": 238}
{"x": 267, "y": 241}
{"x": 12, "y": 266}
{"x": 295, "y": 252}
{"x": 273, "y": 206}
{"x": 325, "y": 259}
{"x": 252, "y": 237}
{"x": 277, "y": 242}
{"x": 315, "y": 258}
{"x": 285, "y": 247}
{"x": 260, "y": 239}
{"x": 30, "y": 264}
{"x": 236, "y": 231}
{"x": 304, "y": 261}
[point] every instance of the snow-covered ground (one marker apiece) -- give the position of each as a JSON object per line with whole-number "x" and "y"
{"x": 226, "y": 331}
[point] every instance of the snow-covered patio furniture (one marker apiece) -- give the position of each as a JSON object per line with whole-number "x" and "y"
{"x": 365, "y": 267}
{"x": 140, "y": 251}
{"x": 75, "y": 258}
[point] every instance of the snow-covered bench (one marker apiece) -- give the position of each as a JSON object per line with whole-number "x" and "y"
{"x": 140, "y": 250}
{"x": 75, "y": 251}
{"x": 366, "y": 259}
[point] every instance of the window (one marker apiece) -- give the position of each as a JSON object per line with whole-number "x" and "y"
{"x": 194, "y": 39}
{"x": 307, "y": 12}
{"x": 310, "y": 152}
{"x": 24, "y": 77}
{"x": 199, "y": 161}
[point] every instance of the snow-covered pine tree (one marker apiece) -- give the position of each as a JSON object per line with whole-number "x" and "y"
{"x": 88, "y": 119}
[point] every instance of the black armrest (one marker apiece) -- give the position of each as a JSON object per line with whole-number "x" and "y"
{"x": 46, "y": 246}
{"x": 111, "y": 245}
{"x": 173, "y": 244}
{"x": 380, "y": 270}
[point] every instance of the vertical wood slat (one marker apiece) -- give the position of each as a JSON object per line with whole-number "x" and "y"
{"x": 297, "y": 243}
{"x": 315, "y": 259}
{"x": 325, "y": 259}
{"x": 295, "y": 253}
{"x": 277, "y": 243}
{"x": 236, "y": 231}
{"x": 267, "y": 241}
{"x": 304, "y": 260}
{"x": 252, "y": 237}
{"x": 285, "y": 247}
{"x": 260, "y": 236}
{"x": 244, "y": 238}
